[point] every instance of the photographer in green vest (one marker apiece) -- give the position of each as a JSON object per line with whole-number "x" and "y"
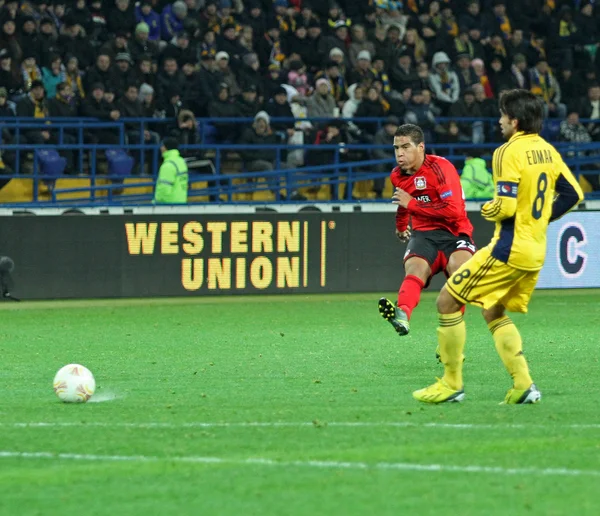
{"x": 172, "y": 182}
{"x": 476, "y": 181}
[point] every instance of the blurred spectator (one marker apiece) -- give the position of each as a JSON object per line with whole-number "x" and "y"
{"x": 226, "y": 74}
{"x": 278, "y": 107}
{"x": 415, "y": 45}
{"x": 73, "y": 41}
{"x": 500, "y": 78}
{"x": 121, "y": 18}
{"x": 355, "y": 96}
{"x": 321, "y": 103}
{"x": 30, "y": 71}
{"x": 472, "y": 18}
{"x": 122, "y": 74}
{"x": 420, "y": 111}
{"x": 180, "y": 50}
{"x": 248, "y": 105}
{"x": 255, "y": 17}
{"x": 95, "y": 106}
{"x": 336, "y": 39}
{"x": 545, "y": 86}
{"x": 370, "y": 107}
{"x": 380, "y": 74}
{"x": 316, "y": 39}
{"x": 298, "y": 78}
{"x": 168, "y": 79}
{"x": 228, "y": 42}
{"x": 336, "y": 79}
{"x": 589, "y": 108}
{"x": 444, "y": 82}
{"x": 299, "y": 43}
{"x": 362, "y": 73}
{"x": 466, "y": 75}
{"x": 273, "y": 80}
{"x": 33, "y": 105}
{"x": 476, "y": 180}
{"x": 259, "y": 160}
{"x": 469, "y": 131}
{"x": 482, "y": 76}
{"x": 117, "y": 45}
{"x": 223, "y": 107}
{"x": 28, "y": 39}
{"x": 271, "y": 48}
{"x": 141, "y": 44}
{"x": 101, "y": 73}
{"x": 520, "y": 72}
{"x": 10, "y": 78}
{"x": 573, "y": 131}
{"x": 97, "y": 30}
{"x": 249, "y": 74}
{"x": 9, "y": 41}
{"x": 53, "y": 75}
{"x": 402, "y": 74}
{"x": 63, "y": 105}
{"x": 516, "y": 45}
{"x": 208, "y": 83}
{"x": 497, "y": 21}
{"x": 145, "y": 13}
{"x": 146, "y": 97}
{"x": 130, "y": 107}
{"x": 330, "y": 134}
{"x": 359, "y": 44}
{"x": 172, "y": 19}
{"x": 384, "y": 137}
{"x": 246, "y": 39}
{"x": 48, "y": 41}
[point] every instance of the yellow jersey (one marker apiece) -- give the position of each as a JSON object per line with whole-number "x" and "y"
{"x": 529, "y": 174}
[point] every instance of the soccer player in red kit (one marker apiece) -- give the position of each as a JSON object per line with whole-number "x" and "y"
{"x": 429, "y": 193}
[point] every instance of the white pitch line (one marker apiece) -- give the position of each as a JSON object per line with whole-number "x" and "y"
{"x": 320, "y": 464}
{"x": 296, "y": 424}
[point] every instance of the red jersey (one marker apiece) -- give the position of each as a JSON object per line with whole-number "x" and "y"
{"x": 438, "y": 201}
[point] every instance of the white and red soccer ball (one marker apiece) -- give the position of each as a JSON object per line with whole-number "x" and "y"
{"x": 74, "y": 383}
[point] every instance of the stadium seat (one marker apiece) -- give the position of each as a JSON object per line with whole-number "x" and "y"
{"x": 209, "y": 134}
{"x": 119, "y": 163}
{"x": 51, "y": 164}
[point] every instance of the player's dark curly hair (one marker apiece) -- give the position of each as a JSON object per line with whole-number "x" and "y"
{"x": 525, "y": 107}
{"x": 412, "y": 131}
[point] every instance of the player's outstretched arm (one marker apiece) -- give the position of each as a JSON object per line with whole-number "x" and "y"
{"x": 569, "y": 194}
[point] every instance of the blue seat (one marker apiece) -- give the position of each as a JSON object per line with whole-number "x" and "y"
{"x": 51, "y": 164}
{"x": 119, "y": 163}
{"x": 209, "y": 134}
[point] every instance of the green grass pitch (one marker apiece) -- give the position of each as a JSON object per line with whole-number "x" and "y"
{"x": 292, "y": 406}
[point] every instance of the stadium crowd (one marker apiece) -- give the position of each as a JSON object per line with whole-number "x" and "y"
{"x": 411, "y": 60}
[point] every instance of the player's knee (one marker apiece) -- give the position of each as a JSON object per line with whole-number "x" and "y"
{"x": 493, "y": 313}
{"x": 419, "y": 268}
{"x": 446, "y": 304}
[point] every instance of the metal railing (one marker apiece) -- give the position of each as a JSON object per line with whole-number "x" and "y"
{"x": 347, "y": 164}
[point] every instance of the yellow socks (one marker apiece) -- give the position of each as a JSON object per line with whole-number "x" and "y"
{"x": 452, "y": 335}
{"x": 510, "y": 348}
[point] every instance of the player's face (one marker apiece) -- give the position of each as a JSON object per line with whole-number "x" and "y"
{"x": 508, "y": 125}
{"x": 408, "y": 155}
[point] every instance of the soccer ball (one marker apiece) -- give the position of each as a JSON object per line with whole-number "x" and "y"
{"x": 74, "y": 384}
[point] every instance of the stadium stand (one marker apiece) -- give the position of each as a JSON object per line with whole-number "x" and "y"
{"x": 278, "y": 99}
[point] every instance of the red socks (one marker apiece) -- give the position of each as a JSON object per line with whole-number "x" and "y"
{"x": 410, "y": 294}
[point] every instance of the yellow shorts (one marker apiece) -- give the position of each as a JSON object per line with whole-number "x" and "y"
{"x": 485, "y": 281}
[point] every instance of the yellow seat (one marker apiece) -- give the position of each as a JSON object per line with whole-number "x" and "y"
{"x": 17, "y": 191}
{"x": 132, "y": 189}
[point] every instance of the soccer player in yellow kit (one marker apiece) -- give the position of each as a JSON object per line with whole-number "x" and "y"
{"x": 533, "y": 187}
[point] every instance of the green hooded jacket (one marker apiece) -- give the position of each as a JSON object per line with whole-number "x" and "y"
{"x": 477, "y": 182}
{"x": 172, "y": 182}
